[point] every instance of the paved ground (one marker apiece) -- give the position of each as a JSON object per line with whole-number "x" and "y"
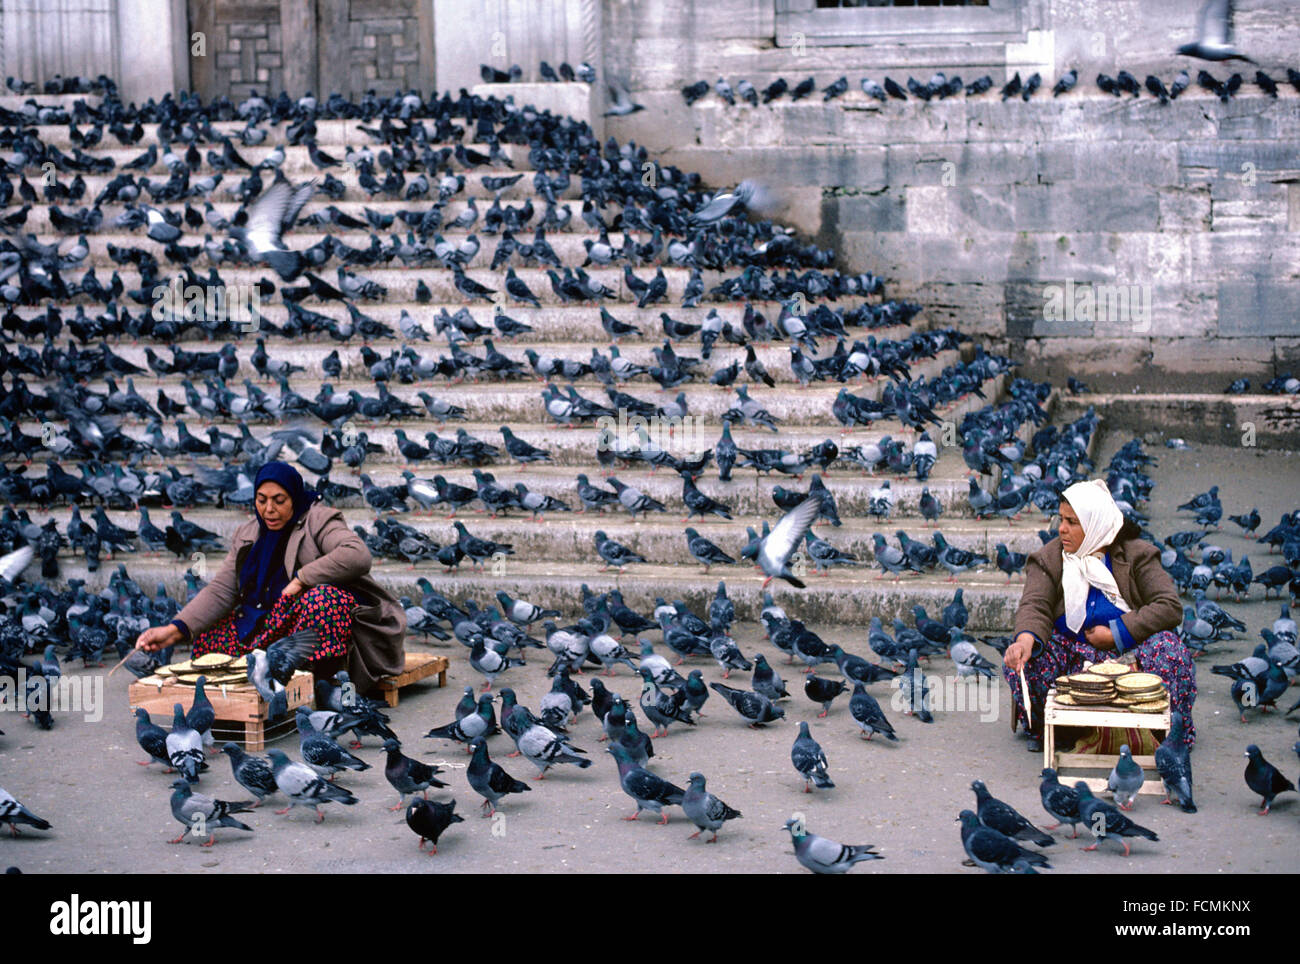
{"x": 112, "y": 816}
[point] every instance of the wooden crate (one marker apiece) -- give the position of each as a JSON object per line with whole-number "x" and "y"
{"x": 418, "y": 666}
{"x": 1056, "y": 714}
{"x": 240, "y": 711}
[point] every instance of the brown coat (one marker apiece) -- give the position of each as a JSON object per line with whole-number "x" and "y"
{"x": 1141, "y": 579}
{"x": 324, "y": 551}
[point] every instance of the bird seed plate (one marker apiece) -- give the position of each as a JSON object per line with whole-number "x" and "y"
{"x": 1110, "y": 669}
{"x": 227, "y": 679}
{"x": 1090, "y": 680}
{"x": 211, "y": 661}
{"x": 188, "y": 679}
{"x": 173, "y": 669}
{"x": 1138, "y": 682}
{"x": 1159, "y": 707}
{"x": 241, "y": 663}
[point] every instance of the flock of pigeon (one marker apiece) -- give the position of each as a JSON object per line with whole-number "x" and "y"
{"x": 671, "y": 224}
{"x": 940, "y": 87}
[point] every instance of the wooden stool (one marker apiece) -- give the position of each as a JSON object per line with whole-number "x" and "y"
{"x": 418, "y": 666}
{"x": 1056, "y": 714}
{"x": 239, "y": 704}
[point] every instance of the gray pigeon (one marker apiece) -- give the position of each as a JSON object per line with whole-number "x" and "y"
{"x": 304, "y": 787}
{"x": 200, "y": 813}
{"x": 810, "y": 760}
{"x": 251, "y": 772}
{"x": 704, "y": 809}
{"x": 824, "y": 856}
{"x": 1126, "y": 779}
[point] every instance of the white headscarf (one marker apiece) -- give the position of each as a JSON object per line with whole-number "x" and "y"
{"x": 1101, "y": 520}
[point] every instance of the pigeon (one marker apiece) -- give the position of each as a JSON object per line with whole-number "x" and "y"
{"x": 408, "y": 776}
{"x": 824, "y": 856}
{"x": 766, "y": 680}
{"x": 1005, "y": 819}
{"x": 810, "y": 760}
{"x": 428, "y": 819}
{"x": 152, "y": 739}
{"x": 648, "y": 790}
{"x": 253, "y": 773}
{"x": 613, "y": 553}
{"x": 488, "y": 779}
{"x": 1106, "y": 821}
{"x": 1174, "y": 764}
{"x": 991, "y": 850}
{"x": 823, "y": 691}
{"x": 704, "y": 809}
{"x": 754, "y": 707}
{"x": 304, "y": 788}
{"x": 274, "y": 213}
{"x": 1060, "y": 801}
{"x": 1214, "y": 34}
{"x": 320, "y": 752}
{"x": 1126, "y": 779}
{"x": 184, "y": 746}
{"x": 200, "y": 812}
{"x": 867, "y": 713}
{"x": 14, "y": 813}
{"x": 1264, "y": 779}
{"x": 775, "y": 551}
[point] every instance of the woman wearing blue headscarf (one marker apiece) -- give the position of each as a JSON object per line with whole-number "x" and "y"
{"x": 296, "y": 568}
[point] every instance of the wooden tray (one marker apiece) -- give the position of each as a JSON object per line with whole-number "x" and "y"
{"x": 239, "y": 706}
{"x": 418, "y": 666}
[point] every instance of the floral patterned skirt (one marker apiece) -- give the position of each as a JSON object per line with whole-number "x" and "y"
{"x": 326, "y": 609}
{"x": 1161, "y": 653}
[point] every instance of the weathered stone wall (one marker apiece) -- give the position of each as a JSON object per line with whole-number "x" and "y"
{"x": 976, "y": 207}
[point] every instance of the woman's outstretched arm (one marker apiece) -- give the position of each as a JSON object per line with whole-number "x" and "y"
{"x": 344, "y": 557}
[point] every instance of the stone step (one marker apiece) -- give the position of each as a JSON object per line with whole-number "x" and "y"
{"x": 846, "y": 598}
{"x": 552, "y": 324}
{"x": 300, "y": 171}
{"x": 567, "y": 537}
{"x": 747, "y": 493}
{"x": 330, "y": 133}
{"x": 568, "y": 247}
{"x": 775, "y": 359}
{"x": 401, "y": 284}
{"x": 15, "y": 102}
{"x": 353, "y": 203}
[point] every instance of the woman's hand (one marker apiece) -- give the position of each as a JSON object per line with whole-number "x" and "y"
{"x": 1017, "y": 655}
{"x": 293, "y": 589}
{"x": 1100, "y": 637}
{"x": 158, "y": 637}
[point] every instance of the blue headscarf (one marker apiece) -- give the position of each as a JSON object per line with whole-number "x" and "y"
{"x": 262, "y": 576}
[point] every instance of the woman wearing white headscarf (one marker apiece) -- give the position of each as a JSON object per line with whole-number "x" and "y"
{"x": 1092, "y": 593}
